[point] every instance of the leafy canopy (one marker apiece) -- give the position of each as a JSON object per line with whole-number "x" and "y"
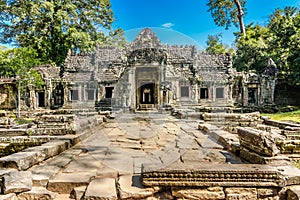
{"x": 279, "y": 40}
{"x": 19, "y": 62}
{"x": 215, "y": 45}
{"x": 228, "y": 12}
{"x": 51, "y": 27}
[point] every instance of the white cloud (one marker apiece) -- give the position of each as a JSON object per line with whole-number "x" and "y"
{"x": 167, "y": 25}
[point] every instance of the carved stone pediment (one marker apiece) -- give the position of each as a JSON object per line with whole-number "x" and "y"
{"x": 148, "y": 55}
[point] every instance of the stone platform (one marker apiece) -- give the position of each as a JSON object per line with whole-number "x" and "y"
{"x": 108, "y": 165}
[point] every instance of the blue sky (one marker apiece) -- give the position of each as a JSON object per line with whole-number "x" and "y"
{"x": 185, "y": 21}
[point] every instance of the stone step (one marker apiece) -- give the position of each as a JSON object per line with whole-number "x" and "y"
{"x": 42, "y": 173}
{"x": 101, "y": 188}
{"x": 34, "y": 155}
{"x": 29, "y": 157}
{"x": 130, "y": 187}
{"x": 64, "y": 183}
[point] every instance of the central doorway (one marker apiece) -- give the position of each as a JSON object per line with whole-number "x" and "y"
{"x": 147, "y": 93}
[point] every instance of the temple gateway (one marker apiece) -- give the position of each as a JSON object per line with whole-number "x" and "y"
{"x": 148, "y": 75}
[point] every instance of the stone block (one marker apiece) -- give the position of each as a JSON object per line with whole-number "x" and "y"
{"x": 208, "y": 193}
{"x": 205, "y": 174}
{"x": 64, "y": 183}
{"x": 293, "y": 193}
{"x": 240, "y": 193}
{"x": 291, "y": 174}
{"x": 255, "y": 158}
{"x": 42, "y": 173}
{"x": 78, "y": 192}
{"x": 37, "y": 193}
{"x": 20, "y": 160}
{"x": 29, "y": 157}
{"x": 101, "y": 188}
{"x": 16, "y": 182}
{"x": 263, "y": 193}
{"x": 11, "y": 196}
{"x": 258, "y": 141}
{"x": 107, "y": 172}
{"x": 130, "y": 187}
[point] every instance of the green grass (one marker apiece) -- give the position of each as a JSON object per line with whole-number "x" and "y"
{"x": 24, "y": 121}
{"x": 285, "y": 116}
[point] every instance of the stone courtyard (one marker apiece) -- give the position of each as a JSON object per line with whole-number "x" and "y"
{"x": 150, "y": 155}
{"x": 108, "y": 163}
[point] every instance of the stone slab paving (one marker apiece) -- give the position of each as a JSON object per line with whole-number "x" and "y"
{"x": 108, "y": 163}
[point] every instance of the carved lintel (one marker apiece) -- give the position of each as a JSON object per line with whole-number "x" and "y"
{"x": 216, "y": 175}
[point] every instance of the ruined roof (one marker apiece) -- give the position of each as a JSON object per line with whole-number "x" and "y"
{"x": 49, "y": 71}
{"x": 146, "y": 39}
{"x": 271, "y": 69}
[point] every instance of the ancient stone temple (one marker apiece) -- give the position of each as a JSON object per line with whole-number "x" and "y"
{"x": 148, "y": 75}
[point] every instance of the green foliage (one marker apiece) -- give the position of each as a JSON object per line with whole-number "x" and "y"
{"x": 228, "y": 12}
{"x": 279, "y": 40}
{"x": 19, "y": 62}
{"x": 252, "y": 50}
{"x": 215, "y": 46}
{"x": 284, "y": 26}
{"x": 51, "y": 27}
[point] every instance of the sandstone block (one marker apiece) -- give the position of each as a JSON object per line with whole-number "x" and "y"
{"x": 64, "y": 183}
{"x": 241, "y": 193}
{"x": 102, "y": 189}
{"x": 130, "y": 187}
{"x": 37, "y": 193}
{"x": 263, "y": 193}
{"x": 293, "y": 193}
{"x": 210, "y": 193}
{"x": 78, "y": 192}
{"x": 17, "y": 181}
{"x": 11, "y": 196}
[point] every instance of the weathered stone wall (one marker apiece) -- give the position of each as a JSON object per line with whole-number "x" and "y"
{"x": 287, "y": 95}
{"x": 7, "y": 94}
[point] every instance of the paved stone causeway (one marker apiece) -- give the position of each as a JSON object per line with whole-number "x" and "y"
{"x": 107, "y": 165}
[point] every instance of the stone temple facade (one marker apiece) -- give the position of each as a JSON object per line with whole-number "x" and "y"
{"x": 148, "y": 75}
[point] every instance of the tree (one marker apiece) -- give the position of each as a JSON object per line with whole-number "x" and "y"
{"x": 252, "y": 51}
{"x": 284, "y": 26}
{"x": 215, "y": 46}
{"x": 51, "y": 27}
{"x": 228, "y": 12}
{"x": 19, "y": 62}
{"x": 279, "y": 40}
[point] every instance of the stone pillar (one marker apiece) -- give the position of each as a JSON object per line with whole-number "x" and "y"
{"x": 133, "y": 88}
{"x": 66, "y": 94}
{"x": 33, "y": 100}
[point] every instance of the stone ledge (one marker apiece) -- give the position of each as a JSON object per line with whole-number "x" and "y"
{"x": 198, "y": 174}
{"x": 34, "y": 155}
{"x": 29, "y": 157}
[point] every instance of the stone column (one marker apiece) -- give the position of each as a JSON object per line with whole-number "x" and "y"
{"x": 66, "y": 94}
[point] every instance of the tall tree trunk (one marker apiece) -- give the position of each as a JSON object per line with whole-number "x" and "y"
{"x": 240, "y": 17}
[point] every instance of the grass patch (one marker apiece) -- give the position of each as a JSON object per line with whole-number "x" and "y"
{"x": 296, "y": 163}
{"x": 24, "y": 121}
{"x": 285, "y": 116}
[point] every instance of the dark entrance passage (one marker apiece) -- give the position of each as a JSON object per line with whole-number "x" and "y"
{"x": 147, "y": 93}
{"x": 108, "y": 92}
{"x": 41, "y": 99}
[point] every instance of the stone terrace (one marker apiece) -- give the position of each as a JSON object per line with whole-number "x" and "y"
{"x": 148, "y": 156}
